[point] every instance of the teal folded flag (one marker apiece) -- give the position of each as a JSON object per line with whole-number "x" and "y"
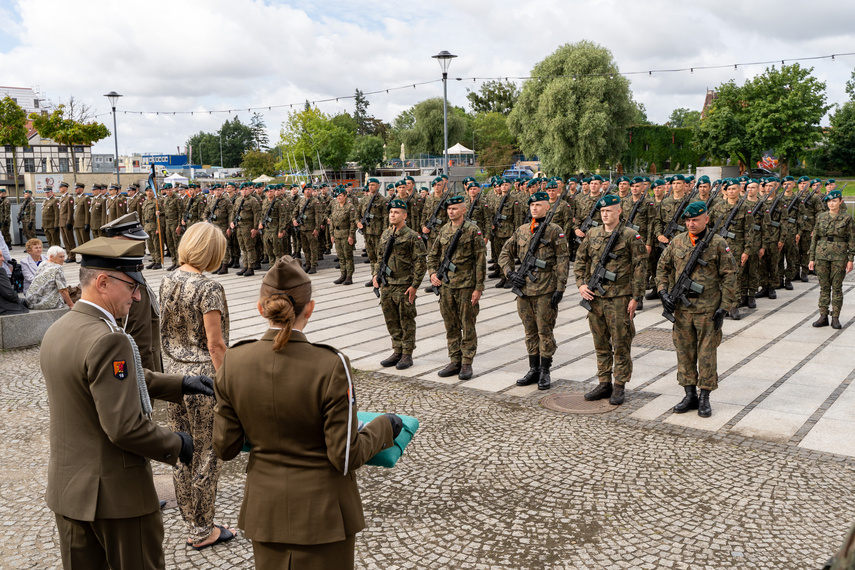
{"x": 389, "y": 457}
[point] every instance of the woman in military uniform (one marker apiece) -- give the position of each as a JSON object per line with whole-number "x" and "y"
{"x": 832, "y": 248}
{"x": 301, "y": 506}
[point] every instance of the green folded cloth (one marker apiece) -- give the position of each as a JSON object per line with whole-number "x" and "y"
{"x": 389, "y": 457}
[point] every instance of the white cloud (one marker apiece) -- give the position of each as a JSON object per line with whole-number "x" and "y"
{"x": 236, "y": 54}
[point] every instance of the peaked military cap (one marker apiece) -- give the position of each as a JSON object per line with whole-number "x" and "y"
{"x": 126, "y": 226}
{"x": 113, "y": 254}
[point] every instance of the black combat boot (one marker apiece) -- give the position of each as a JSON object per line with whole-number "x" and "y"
{"x": 243, "y": 270}
{"x": 256, "y": 266}
{"x": 157, "y": 266}
{"x": 364, "y": 253}
{"x": 743, "y": 302}
{"x": 618, "y": 395}
{"x": 451, "y": 369}
{"x": 772, "y": 294}
{"x": 763, "y": 292}
{"x": 392, "y": 360}
{"x": 835, "y": 323}
{"x": 172, "y": 267}
{"x": 544, "y": 382}
{"x": 601, "y": 392}
{"x": 652, "y": 296}
{"x": 312, "y": 270}
{"x": 501, "y": 283}
{"x": 495, "y": 274}
{"x": 236, "y": 264}
{"x": 788, "y": 285}
{"x": 340, "y": 280}
{"x": 533, "y": 371}
{"x": 734, "y": 314}
{"x": 405, "y": 362}
{"x": 150, "y": 265}
{"x": 249, "y": 272}
{"x": 348, "y": 279}
{"x": 465, "y": 372}
{"x": 803, "y": 276}
{"x": 751, "y": 303}
{"x": 224, "y": 268}
{"x": 822, "y": 321}
{"x": 704, "y": 408}
{"x": 429, "y": 289}
{"x": 689, "y": 402}
{"x": 297, "y": 255}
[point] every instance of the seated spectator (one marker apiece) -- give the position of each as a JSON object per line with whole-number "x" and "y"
{"x": 5, "y": 257}
{"x": 30, "y": 263}
{"x": 49, "y": 289}
{"x": 10, "y": 303}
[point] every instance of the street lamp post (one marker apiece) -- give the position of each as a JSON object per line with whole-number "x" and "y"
{"x": 444, "y": 58}
{"x": 113, "y": 97}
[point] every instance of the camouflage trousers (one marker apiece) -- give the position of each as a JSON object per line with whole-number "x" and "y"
{"x": 29, "y": 231}
{"x": 696, "y": 341}
{"x": 458, "y": 314}
{"x": 7, "y": 236}
{"x": 400, "y": 316}
{"x": 247, "y": 245}
{"x": 372, "y": 248}
{"x": 227, "y": 256}
{"x": 295, "y": 241}
{"x": 804, "y": 251}
{"x": 612, "y": 331}
{"x": 196, "y": 483}
{"x": 310, "y": 248}
{"x": 538, "y": 319}
{"x": 652, "y": 262}
{"x": 233, "y": 246}
{"x": 344, "y": 251}
{"x": 499, "y": 244}
{"x": 788, "y": 262}
{"x": 736, "y": 251}
{"x": 272, "y": 245}
{"x": 830, "y": 274}
{"x": 154, "y": 243}
{"x": 170, "y": 240}
{"x": 285, "y": 242}
{"x": 768, "y": 268}
{"x": 52, "y": 235}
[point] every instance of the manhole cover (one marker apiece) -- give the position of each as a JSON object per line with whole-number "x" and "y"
{"x": 575, "y": 404}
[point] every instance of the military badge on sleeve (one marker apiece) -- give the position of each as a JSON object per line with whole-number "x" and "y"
{"x": 120, "y": 369}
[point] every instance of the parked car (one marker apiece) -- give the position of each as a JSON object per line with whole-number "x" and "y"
{"x": 760, "y": 173}
{"x": 516, "y": 173}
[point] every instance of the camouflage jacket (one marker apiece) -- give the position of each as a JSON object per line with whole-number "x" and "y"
{"x": 377, "y": 218}
{"x": 343, "y": 219}
{"x": 406, "y": 263}
{"x": 5, "y": 211}
{"x": 667, "y": 207}
{"x": 218, "y": 211}
{"x": 833, "y": 238}
{"x": 310, "y": 212}
{"x": 553, "y": 251}
{"x": 642, "y": 216}
{"x": 429, "y": 206}
{"x": 583, "y": 207}
{"x": 150, "y": 208}
{"x": 507, "y": 217}
{"x": 563, "y": 217}
{"x": 629, "y": 265}
{"x": 742, "y": 226}
{"x": 172, "y": 208}
{"x": 470, "y": 257}
{"x": 415, "y": 205}
{"x": 270, "y": 213}
{"x": 480, "y": 215}
{"x": 246, "y": 213}
{"x": 808, "y": 212}
{"x": 27, "y": 213}
{"x": 718, "y": 276}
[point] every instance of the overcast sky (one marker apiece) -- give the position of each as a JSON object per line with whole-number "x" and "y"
{"x": 201, "y": 55}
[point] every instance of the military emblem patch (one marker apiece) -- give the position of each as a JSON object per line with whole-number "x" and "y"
{"x": 120, "y": 369}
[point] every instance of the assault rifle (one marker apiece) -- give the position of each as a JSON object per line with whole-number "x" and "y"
{"x": 446, "y": 266}
{"x": 186, "y": 217}
{"x": 725, "y": 231}
{"x": 791, "y": 205}
{"x": 595, "y": 283}
{"x": 632, "y": 213}
{"x": 383, "y": 270}
{"x": 776, "y": 224}
{"x": 433, "y": 221}
{"x": 236, "y": 217}
{"x": 713, "y": 193}
{"x": 368, "y": 216}
{"x": 674, "y": 226}
{"x": 684, "y": 283}
{"x": 211, "y": 216}
{"x": 756, "y": 209}
{"x": 265, "y": 219}
{"x": 472, "y": 205}
{"x": 589, "y": 222}
{"x": 302, "y": 213}
{"x": 530, "y": 263}
{"x": 498, "y": 216}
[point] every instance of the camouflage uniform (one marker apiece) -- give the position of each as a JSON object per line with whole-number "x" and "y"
{"x": 271, "y": 211}
{"x": 294, "y": 234}
{"x": 809, "y": 209}
{"x": 343, "y": 225}
{"x": 583, "y": 207}
{"x": 152, "y": 223}
{"x": 694, "y": 334}
{"x": 563, "y": 217}
{"x": 27, "y": 218}
{"x": 534, "y": 308}
{"x": 743, "y": 240}
{"x": 373, "y": 230}
{"x": 246, "y": 215}
{"x": 219, "y": 213}
{"x": 50, "y": 220}
{"x": 773, "y": 232}
{"x": 609, "y": 321}
{"x": 455, "y": 301}
{"x": 170, "y": 216}
{"x": 480, "y": 215}
{"x": 832, "y": 246}
{"x": 508, "y": 209}
{"x": 429, "y": 205}
{"x": 788, "y": 262}
{"x": 310, "y": 213}
{"x": 415, "y": 206}
{"x": 406, "y": 269}
{"x": 6, "y": 219}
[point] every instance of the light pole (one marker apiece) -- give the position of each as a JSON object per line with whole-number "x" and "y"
{"x": 444, "y": 58}
{"x": 113, "y": 97}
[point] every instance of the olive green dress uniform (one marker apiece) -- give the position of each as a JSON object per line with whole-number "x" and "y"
{"x": 246, "y": 215}
{"x": 534, "y": 308}
{"x": 96, "y": 212}
{"x": 135, "y": 203}
{"x": 377, "y": 222}
{"x": 219, "y": 213}
{"x": 407, "y": 267}
{"x": 611, "y": 326}
{"x": 271, "y": 211}
{"x": 66, "y": 222}
{"x": 6, "y": 219}
{"x": 301, "y": 500}
{"x": 151, "y": 223}
{"x": 116, "y": 207}
{"x": 171, "y": 215}
{"x": 831, "y": 247}
{"x": 311, "y": 213}
{"x": 743, "y": 240}
{"x": 343, "y": 225}
{"x": 100, "y": 484}
{"x": 50, "y": 220}
{"x": 27, "y": 218}
{"x": 694, "y": 333}
{"x": 455, "y": 299}
{"x": 82, "y": 218}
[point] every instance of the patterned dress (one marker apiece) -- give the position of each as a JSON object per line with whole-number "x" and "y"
{"x": 44, "y": 291}
{"x": 185, "y": 298}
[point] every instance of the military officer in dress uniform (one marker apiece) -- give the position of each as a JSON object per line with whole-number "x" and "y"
{"x": 459, "y": 295}
{"x": 82, "y": 205}
{"x": 135, "y": 200}
{"x": 116, "y": 205}
{"x": 100, "y": 484}
{"x": 50, "y": 217}
{"x": 66, "y": 219}
{"x": 96, "y": 210}
{"x": 697, "y": 328}
{"x": 6, "y": 217}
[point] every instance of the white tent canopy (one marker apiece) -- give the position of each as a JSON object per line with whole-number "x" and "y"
{"x": 263, "y": 178}
{"x": 459, "y": 149}
{"x": 176, "y": 179}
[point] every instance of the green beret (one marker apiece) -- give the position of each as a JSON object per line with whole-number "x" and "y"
{"x": 659, "y": 182}
{"x": 804, "y": 179}
{"x": 678, "y": 177}
{"x": 597, "y": 177}
{"x": 695, "y": 209}
{"x": 690, "y": 178}
{"x": 373, "y": 181}
{"x": 444, "y": 176}
{"x": 573, "y": 179}
{"x": 622, "y": 179}
{"x": 586, "y": 180}
{"x": 468, "y": 179}
{"x": 832, "y": 195}
{"x": 400, "y": 183}
{"x": 507, "y": 181}
{"x": 338, "y": 191}
{"x": 830, "y": 181}
{"x": 167, "y": 185}
{"x": 815, "y": 180}
{"x": 704, "y": 179}
{"x": 753, "y": 181}
{"x": 436, "y": 181}
{"x": 637, "y": 180}
{"x": 608, "y": 200}
{"x": 789, "y": 179}
{"x": 727, "y": 183}
{"x": 409, "y": 179}
{"x": 552, "y": 184}
{"x": 538, "y": 197}
{"x": 454, "y": 200}
{"x": 397, "y": 203}
{"x": 557, "y": 178}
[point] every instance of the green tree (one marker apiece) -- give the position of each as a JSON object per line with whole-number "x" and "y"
{"x": 61, "y": 128}
{"x": 309, "y": 135}
{"x": 420, "y": 128}
{"x": 260, "y": 140}
{"x": 237, "y": 138}
{"x": 256, "y": 162}
{"x": 13, "y": 132}
{"x": 360, "y": 114}
{"x": 494, "y": 96}
{"x": 496, "y": 158}
{"x": 779, "y": 110}
{"x": 368, "y": 152}
{"x": 841, "y": 138}
{"x": 204, "y": 148}
{"x": 491, "y": 128}
{"x": 345, "y": 121}
{"x": 684, "y": 118}
{"x": 639, "y": 114}
{"x": 574, "y": 124}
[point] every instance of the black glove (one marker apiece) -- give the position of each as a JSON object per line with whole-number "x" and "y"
{"x": 197, "y": 385}
{"x": 556, "y": 298}
{"x": 667, "y": 302}
{"x": 186, "y": 454}
{"x": 86, "y": 228}
{"x": 397, "y": 424}
{"x": 69, "y": 227}
{"x": 32, "y": 226}
{"x": 718, "y": 318}
{"x": 516, "y": 279}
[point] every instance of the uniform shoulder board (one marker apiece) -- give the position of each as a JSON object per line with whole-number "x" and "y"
{"x": 243, "y": 342}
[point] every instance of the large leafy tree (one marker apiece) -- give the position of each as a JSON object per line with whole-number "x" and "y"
{"x": 313, "y": 139}
{"x": 841, "y": 138}
{"x": 235, "y": 137}
{"x": 62, "y": 128}
{"x": 495, "y": 96}
{"x": 260, "y": 139}
{"x": 420, "y": 128}
{"x": 13, "y": 132}
{"x": 368, "y": 152}
{"x": 779, "y": 111}
{"x": 491, "y": 128}
{"x": 256, "y": 162}
{"x": 684, "y": 118}
{"x": 573, "y": 124}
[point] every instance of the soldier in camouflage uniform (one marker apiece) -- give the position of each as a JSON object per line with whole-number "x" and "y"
{"x": 774, "y": 238}
{"x": 308, "y": 220}
{"x": 612, "y": 313}
{"x": 82, "y": 204}
{"x": 563, "y": 217}
{"x": 505, "y": 210}
{"x": 191, "y": 213}
{"x": 405, "y": 270}
{"x": 832, "y": 249}
{"x": 169, "y": 217}
{"x": 152, "y": 210}
{"x": 50, "y": 217}
{"x": 375, "y": 223}
{"x": 27, "y": 216}
{"x": 271, "y": 210}
{"x": 341, "y": 220}
{"x": 5, "y": 217}
{"x": 641, "y": 223}
{"x": 476, "y": 209}
{"x": 762, "y": 243}
{"x": 246, "y": 215}
{"x": 740, "y": 240}
{"x": 406, "y": 191}
{"x": 219, "y": 213}
{"x": 810, "y": 206}
{"x": 538, "y": 305}
{"x": 788, "y": 262}
{"x": 294, "y": 233}
{"x": 325, "y": 241}
{"x": 697, "y": 328}
{"x": 588, "y": 203}
{"x": 459, "y": 296}
{"x": 429, "y": 206}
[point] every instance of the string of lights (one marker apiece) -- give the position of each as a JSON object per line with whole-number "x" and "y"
{"x": 649, "y": 73}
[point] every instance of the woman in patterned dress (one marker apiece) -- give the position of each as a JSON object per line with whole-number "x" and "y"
{"x": 194, "y": 329}
{"x": 49, "y": 289}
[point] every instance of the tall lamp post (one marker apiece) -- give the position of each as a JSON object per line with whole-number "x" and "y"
{"x": 113, "y": 97}
{"x": 444, "y": 58}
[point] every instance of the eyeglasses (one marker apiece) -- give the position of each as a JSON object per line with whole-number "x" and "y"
{"x": 133, "y": 284}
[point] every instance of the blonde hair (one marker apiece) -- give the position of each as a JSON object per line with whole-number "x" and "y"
{"x": 283, "y": 308}
{"x": 32, "y": 242}
{"x": 202, "y": 247}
